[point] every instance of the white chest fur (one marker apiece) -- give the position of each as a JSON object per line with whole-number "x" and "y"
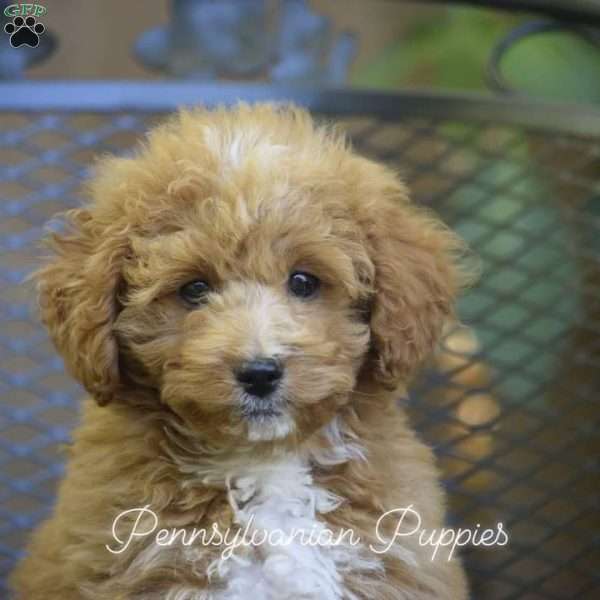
{"x": 279, "y": 504}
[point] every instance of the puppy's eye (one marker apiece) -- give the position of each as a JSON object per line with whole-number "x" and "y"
{"x": 303, "y": 285}
{"x": 195, "y": 292}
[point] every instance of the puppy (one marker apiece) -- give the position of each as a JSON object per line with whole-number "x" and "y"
{"x": 245, "y": 300}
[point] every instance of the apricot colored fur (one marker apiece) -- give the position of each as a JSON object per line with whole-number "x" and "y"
{"x": 241, "y": 198}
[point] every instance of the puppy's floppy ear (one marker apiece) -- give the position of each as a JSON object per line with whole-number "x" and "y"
{"x": 416, "y": 278}
{"x": 77, "y": 296}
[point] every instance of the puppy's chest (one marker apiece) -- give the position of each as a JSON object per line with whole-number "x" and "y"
{"x": 284, "y": 548}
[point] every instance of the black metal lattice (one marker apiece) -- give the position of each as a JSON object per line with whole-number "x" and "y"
{"x": 510, "y": 401}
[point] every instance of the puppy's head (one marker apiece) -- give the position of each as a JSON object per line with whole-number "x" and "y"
{"x": 249, "y": 271}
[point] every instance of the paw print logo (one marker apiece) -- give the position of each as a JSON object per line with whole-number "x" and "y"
{"x": 24, "y": 32}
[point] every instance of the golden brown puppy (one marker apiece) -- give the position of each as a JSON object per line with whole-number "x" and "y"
{"x": 243, "y": 300}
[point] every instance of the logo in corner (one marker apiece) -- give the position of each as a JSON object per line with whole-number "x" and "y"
{"x": 25, "y": 28}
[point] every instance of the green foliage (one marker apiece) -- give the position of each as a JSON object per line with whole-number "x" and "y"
{"x": 559, "y": 66}
{"x": 452, "y": 51}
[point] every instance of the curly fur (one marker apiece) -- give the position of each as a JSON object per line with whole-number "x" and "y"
{"x": 241, "y": 197}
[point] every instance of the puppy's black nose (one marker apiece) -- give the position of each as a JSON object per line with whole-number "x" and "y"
{"x": 260, "y": 377}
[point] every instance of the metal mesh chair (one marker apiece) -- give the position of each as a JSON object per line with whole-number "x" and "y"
{"x": 510, "y": 402}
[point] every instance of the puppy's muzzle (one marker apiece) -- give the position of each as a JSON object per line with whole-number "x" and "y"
{"x": 260, "y": 377}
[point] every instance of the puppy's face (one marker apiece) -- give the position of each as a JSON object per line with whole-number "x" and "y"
{"x": 248, "y": 317}
{"x": 248, "y": 270}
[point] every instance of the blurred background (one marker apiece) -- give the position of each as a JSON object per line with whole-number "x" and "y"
{"x": 489, "y": 112}
{"x": 390, "y": 45}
